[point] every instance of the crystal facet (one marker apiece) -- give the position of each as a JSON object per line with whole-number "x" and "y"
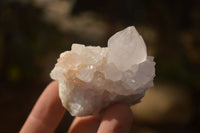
{"x": 91, "y": 78}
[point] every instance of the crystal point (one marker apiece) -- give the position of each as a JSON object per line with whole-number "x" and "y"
{"x": 92, "y": 78}
{"x": 126, "y": 48}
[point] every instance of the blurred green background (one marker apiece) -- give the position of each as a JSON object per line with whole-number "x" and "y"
{"x": 34, "y": 32}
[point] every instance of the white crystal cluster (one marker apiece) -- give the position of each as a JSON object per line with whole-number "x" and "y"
{"x": 91, "y": 78}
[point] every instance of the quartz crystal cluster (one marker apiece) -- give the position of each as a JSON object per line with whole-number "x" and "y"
{"x": 91, "y": 78}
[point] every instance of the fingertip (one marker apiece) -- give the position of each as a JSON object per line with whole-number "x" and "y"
{"x": 53, "y": 85}
{"x": 116, "y": 119}
{"x": 47, "y": 112}
{"x": 88, "y": 124}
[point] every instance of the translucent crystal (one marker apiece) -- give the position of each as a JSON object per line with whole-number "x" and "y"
{"x": 78, "y": 48}
{"x": 86, "y": 73}
{"x": 112, "y": 73}
{"x": 126, "y": 48}
{"x": 91, "y": 78}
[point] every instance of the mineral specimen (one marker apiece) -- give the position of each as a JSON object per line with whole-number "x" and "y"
{"x": 91, "y": 78}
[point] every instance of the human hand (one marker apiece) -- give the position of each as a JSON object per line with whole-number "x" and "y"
{"x": 48, "y": 112}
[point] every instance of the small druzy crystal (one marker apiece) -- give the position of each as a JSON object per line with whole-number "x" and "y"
{"x": 91, "y": 78}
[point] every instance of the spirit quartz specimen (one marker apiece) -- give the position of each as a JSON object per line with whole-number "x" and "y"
{"x": 91, "y": 78}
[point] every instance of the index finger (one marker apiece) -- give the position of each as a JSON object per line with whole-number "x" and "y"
{"x": 47, "y": 112}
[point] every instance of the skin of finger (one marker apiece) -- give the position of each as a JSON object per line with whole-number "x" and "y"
{"x": 116, "y": 119}
{"x": 47, "y": 112}
{"x": 87, "y": 124}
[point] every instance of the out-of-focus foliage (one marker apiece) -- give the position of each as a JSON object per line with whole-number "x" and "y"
{"x": 25, "y": 38}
